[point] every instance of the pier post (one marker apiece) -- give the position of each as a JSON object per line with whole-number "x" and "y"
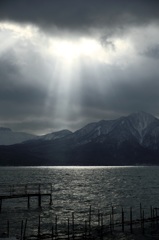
{"x": 112, "y": 217}
{"x": 28, "y": 201}
{"x": 26, "y": 189}
{"x": 51, "y": 195}
{"x": 39, "y": 227}
{"x": 151, "y": 217}
{"x": 85, "y": 230}
{"x": 143, "y": 223}
{"x": 153, "y": 213}
{"x": 25, "y": 226}
{"x": 27, "y": 192}
{"x": 56, "y": 226}
{"x": 140, "y": 211}
{"x": 73, "y": 225}
{"x": 141, "y": 215}
{"x": 122, "y": 218}
{"x": 50, "y": 199}
{"x": 156, "y": 217}
{"x": 101, "y": 226}
{"x": 21, "y": 232}
{"x": 0, "y": 205}
{"x": 131, "y": 219}
{"x": 90, "y": 216}
{"x": 8, "y": 228}
{"x": 39, "y": 200}
{"x": 68, "y": 228}
{"x": 110, "y": 225}
{"x": 52, "y": 235}
{"x": 39, "y": 196}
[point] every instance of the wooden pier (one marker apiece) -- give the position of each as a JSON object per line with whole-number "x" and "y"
{"x": 95, "y": 225}
{"x": 26, "y": 191}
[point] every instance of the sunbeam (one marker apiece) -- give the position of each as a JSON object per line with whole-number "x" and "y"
{"x": 68, "y": 72}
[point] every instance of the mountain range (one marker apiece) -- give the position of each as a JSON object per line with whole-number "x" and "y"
{"x": 130, "y": 140}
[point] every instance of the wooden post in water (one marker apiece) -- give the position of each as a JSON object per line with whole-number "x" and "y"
{"x": 25, "y": 226}
{"x": 153, "y": 213}
{"x": 156, "y": 218}
{"x": 52, "y": 232}
{"x": 28, "y": 201}
{"x": 131, "y": 219}
{"x": 39, "y": 226}
{"x": 101, "y": 226}
{"x": 151, "y": 217}
{"x": 8, "y": 228}
{"x": 0, "y": 205}
{"x": 39, "y": 196}
{"x": 68, "y": 228}
{"x": 141, "y": 214}
{"x": 143, "y": 223}
{"x": 26, "y": 189}
{"x": 112, "y": 222}
{"x": 112, "y": 217}
{"x": 39, "y": 200}
{"x": 122, "y": 219}
{"x": 51, "y": 196}
{"x": 85, "y": 230}
{"x": 73, "y": 226}
{"x": 21, "y": 232}
{"x": 12, "y": 189}
{"x": 110, "y": 225}
{"x": 90, "y": 216}
{"x": 56, "y": 226}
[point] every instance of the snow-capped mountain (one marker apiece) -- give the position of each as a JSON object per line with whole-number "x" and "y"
{"x": 8, "y": 137}
{"x": 128, "y": 140}
{"x": 56, "y": 135}
{"x": 93, "y": 131}
{"x": 142, "y": 124}
{"x": 135, "y": 127}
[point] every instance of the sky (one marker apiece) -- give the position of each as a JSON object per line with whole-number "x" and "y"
{"x": 64, "y": 64}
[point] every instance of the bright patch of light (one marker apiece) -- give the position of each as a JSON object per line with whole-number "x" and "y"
{"x": 123, "y": 45}
{"x": 66, "y": 49}
{"x": 71, "y": 50}
{"x": 11, "y": 34}
{"x": 64, "y": 59}
{"x": 17, "y": 30}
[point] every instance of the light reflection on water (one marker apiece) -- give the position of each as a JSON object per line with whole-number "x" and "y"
{"x": 76, "y": 188}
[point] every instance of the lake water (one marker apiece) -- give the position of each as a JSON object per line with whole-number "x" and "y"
{"x": 75, "y": 189}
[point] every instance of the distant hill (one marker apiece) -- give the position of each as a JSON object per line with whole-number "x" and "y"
{"x": 8, "y": 137}
{"x": 130, "y": 140}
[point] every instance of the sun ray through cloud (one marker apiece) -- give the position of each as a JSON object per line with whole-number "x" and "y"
{"x": 69, "y": 73}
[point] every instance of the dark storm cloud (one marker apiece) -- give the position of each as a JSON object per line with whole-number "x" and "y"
{"x": 79, "y": 15}
{"x": 39, "y": 91}
{"x": 121, "y": 91}
{"x": 22, "y": 96}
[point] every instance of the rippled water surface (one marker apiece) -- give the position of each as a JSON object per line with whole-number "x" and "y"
{"x": 75, "y": 189}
